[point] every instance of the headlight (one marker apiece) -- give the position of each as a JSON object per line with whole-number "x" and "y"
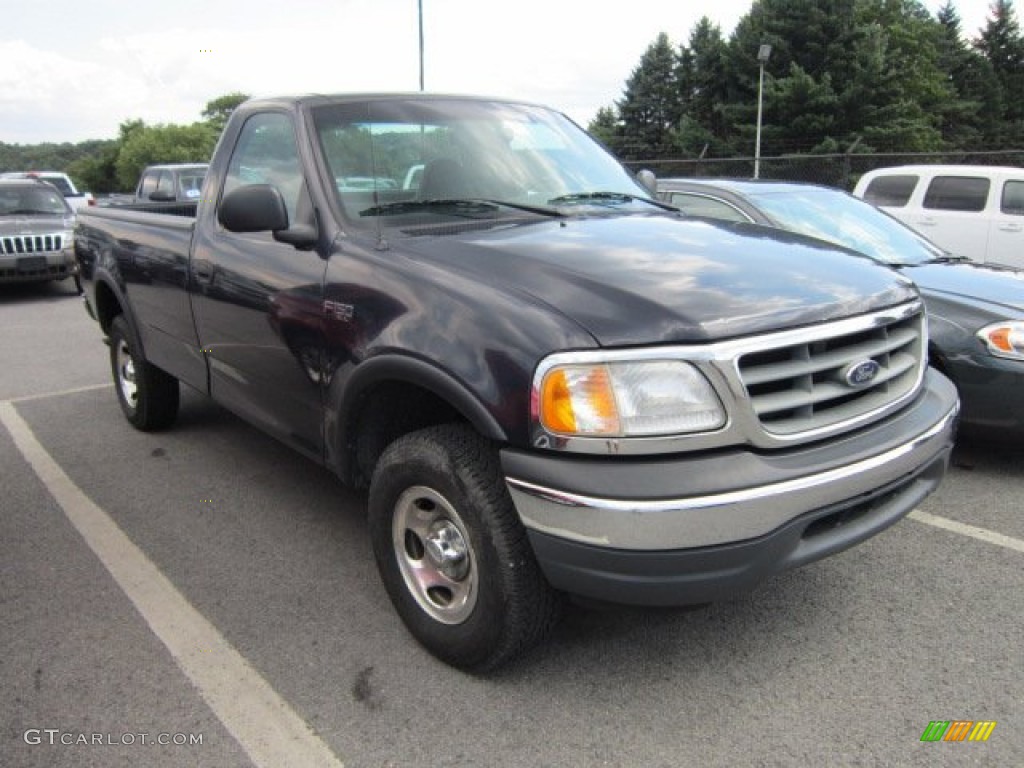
{"x": 627, "y": 399}
{"x": 67, "y": 238}
{"x": 1004, "y": 339}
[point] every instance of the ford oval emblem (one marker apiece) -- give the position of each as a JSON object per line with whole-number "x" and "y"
{"x": 860, "y": 374}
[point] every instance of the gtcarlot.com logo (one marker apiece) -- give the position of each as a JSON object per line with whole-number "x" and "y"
{"x": 56, "y": 736}
{"x": 958, "y": 730}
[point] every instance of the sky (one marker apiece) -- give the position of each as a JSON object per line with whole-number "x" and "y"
{"x": 72, "y": 70}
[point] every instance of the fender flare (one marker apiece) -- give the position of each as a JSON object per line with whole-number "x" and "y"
{"x": 421, "y": 373}
{"x": 104, "y": 278}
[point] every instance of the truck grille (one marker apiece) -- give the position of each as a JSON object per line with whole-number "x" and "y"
{"x": 31, "y": 244}
{"x": 807, "y": 386}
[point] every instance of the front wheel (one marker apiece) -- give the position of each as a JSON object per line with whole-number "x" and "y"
{"x": 452, "y": 553}
{"x": 148, "y": 396}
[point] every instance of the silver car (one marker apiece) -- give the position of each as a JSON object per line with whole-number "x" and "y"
{"x": 36, "y": 226}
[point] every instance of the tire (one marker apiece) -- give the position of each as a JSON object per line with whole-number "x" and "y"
{"x": 452, "y": 553}
{"x": 148, "y": 396}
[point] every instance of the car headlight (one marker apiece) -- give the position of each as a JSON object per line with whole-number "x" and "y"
{"x": 1005, "y": 339}
{"x": 627, "y": 399}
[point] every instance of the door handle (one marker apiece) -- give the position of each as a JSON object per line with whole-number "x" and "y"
{"x": 203, "y": 271}
{"x": 1010, "y": 227}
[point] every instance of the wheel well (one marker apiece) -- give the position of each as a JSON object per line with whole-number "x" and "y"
{"x": 935, "y": 360}
{"x": 107, "y": 306}
{"x": 386, "y": 412}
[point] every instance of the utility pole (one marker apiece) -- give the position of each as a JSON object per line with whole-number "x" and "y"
{"x": 421, "y": 43}
{"x": 763, "y": 54}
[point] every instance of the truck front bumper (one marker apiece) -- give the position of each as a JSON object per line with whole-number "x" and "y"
{"x": 689, "y": 529}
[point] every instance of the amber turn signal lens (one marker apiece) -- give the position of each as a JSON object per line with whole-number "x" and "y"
{"x": 579, "y": 400}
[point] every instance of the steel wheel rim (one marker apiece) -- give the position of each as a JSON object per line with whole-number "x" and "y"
{"x": 435, "y": 555}
{"x": 126, "y": 374}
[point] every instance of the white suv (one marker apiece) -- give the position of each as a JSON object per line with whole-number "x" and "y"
{"x": 970, "y": 210}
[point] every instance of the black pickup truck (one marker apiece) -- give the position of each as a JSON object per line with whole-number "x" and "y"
{"x": 549, "y": 382}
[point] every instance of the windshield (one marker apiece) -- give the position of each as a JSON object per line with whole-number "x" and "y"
{"x": 403, "y": 159}
{"x": 841, "y": 218}
{"x": 32, "y": 200}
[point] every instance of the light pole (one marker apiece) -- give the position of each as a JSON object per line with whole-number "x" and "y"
{"x": 421, "y": 43}
{"x": 763, "y": 54}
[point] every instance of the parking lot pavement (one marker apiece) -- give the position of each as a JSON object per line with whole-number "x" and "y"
{"x": 844, "y": 662}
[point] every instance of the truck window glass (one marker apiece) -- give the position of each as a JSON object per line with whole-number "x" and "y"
{"x": 190, "y": 185}
{"x": 891, "y": 191}
{"x": 165, "y": 183}
{"x": 266, "y": 154}
{"x": 402, "y": 151}
{"x": 148, "y": 185}
{"x": 1013, "y": 198}
{"x": 957, "y": 193}
{"x": 702, "y": 205}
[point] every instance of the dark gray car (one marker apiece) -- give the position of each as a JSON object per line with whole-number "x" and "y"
{"x": 975, "y": 311}
{"x": 36, "y": 225}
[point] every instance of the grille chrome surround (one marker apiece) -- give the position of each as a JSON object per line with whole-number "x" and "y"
{"x": 28, "y": 244}
{"x": 778, "y": 389}
{"x": 803, "y": 387}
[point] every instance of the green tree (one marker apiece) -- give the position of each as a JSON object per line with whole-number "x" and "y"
{"x": 973, "y": 116}
{"x": 605, "y": 127}
{"x": 96, "y": 172}
{"x": 145, "y": 145}
{"x": 1002, "y": 45}
{"x": 703, "y": 89}
{"x": 217, "y": 111}
{"x": 650, "y": 106}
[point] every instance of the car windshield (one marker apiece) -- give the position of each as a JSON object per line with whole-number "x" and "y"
{"x": 32, "y": 200}
{"x": 400, "y": 160}
{"x": 841, "y": 218}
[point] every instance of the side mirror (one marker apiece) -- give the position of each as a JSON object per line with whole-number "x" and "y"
{"x": 261, "y": 208}
{"x": 253, "y": 208}
{"x": 161, "y": 196}
{"x": 648, "y": 180}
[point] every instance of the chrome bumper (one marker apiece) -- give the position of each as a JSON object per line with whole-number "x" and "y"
{"x": 733, "y": 514}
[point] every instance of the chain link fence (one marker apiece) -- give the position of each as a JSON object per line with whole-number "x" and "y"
{"x": 839, "y": 170}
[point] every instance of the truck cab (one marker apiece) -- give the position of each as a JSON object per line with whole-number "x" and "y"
{"x": 171, "y": 183}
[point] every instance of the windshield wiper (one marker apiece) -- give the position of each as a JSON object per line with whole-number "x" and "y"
{"x": 31, "y": 212}
{"x": 611, "y": 198}
{"x": 457, "y": 207}
{"x": 948, "y": 258}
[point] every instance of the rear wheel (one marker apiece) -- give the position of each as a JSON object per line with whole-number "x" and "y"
{"x": 148, "y": 396}
{"x": 452, "y": 552}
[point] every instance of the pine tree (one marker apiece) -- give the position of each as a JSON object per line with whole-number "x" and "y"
{"x": 1003, "y": 46}
{"x": 650, "y": 107}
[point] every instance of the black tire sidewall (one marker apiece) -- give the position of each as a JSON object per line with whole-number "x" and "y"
{"x": 425, "y": 459}
{"x": 157, "y": 402}
{"x": 120, "y": 331}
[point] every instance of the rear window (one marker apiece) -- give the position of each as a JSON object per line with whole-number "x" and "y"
{"x": 1013, "y": 198}
{"x": 891, "y": 191}
{"x": 957, "y": 193}
{"x": 701, "y": 205}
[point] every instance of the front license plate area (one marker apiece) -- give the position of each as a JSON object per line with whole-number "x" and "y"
{"x": 32, "y": 264}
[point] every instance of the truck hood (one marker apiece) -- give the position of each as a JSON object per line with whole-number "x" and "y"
{"x": 647, "y": 279}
